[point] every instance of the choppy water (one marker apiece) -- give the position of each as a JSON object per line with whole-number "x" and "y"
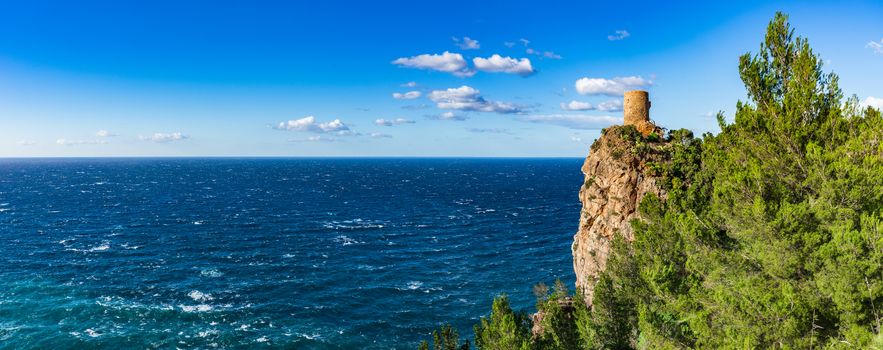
{"x": 296, "y": 253}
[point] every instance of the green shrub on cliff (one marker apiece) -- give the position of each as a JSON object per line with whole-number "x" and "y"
{"x": 558, "y": 321}
{"x": 504, "y": 328}
{"x": 445, "y": 338}
{"x": 771, "y": 235}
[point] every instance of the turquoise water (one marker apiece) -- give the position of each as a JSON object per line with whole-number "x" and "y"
{"x": 276, "y": 253}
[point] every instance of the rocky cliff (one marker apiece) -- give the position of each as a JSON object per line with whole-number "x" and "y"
{"x": 619, "y": 172}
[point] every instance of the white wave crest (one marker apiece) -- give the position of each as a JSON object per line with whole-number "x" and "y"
{"x": 213, "y": 273}
{"x": 200, "y": 296}
{"x": 196, "y": 308}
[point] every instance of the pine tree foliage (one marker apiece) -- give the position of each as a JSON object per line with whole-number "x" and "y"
{"x": 504, "y": 329}
{"x": 771, "y": 235}
{"x": 445, "y": 338}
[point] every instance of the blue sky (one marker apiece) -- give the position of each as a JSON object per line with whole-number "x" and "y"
{"x": 220, "y": 78}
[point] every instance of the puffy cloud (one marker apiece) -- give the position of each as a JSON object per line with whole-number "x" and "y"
{"x": 500, "y": 64}
{"x": 466, "y": 43}
{"x": 577, "y": 106}
{"x": 409, "y": 84}
{"x": 104, "y": 133}
{"x": 380, "y": 135}
{"x": 524, "y": 41}
{"x": 508, "y": 44}
{"x": 448, "y": 116}
{"x": 872, "y": 101}
{"x": 607, "y": 106}
{"x": 619, "y": 35}
{"x": 164, "y": 137}
{"x": 391, "y": 122}
{"x": 610, "y": 87}
{"x": 309, "y": 124}
{"x": 876, "y": 46}
{"x": 610, "y": 106}
{"x": 26, "y": 143}
{"x": 410, "y": 95}
{"x": 466, "y": 98}
{"x": 574, "y": 121}
{"x": 446, "y": 62}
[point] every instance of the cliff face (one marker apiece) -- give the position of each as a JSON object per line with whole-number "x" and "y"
{"x": 618, "y": 173}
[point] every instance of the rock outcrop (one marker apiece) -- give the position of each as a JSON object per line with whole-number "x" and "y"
{"x": 618, "y": 174}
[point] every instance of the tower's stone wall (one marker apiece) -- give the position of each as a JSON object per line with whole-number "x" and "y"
{"x": 636, "y": 107}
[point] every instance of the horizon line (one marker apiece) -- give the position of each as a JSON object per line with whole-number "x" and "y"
{"x": 288, "y": 157}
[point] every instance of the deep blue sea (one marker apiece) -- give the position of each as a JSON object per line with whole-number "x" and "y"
{"x": 275, "y": 253}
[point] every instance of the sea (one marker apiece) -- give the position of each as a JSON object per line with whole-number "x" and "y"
{"x": 297, "y": 253}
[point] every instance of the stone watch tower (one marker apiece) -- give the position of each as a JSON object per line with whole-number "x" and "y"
{"x": 636, "y": 111}
{"x": 616, "y": 180}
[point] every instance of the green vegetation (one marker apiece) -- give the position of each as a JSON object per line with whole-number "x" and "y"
{"x": 771, "y": 235}
{"x": 446, "y": 338}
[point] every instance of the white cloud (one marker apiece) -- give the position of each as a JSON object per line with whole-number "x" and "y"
{"x": 524, "y": 41}
{"x": 380, "y": 135}
{"x": 576, "y": 138}
{"x": 544, "y": 54}
{"x": 876, "y": 46}
{"x": 410, "y": 95}
{"x": 315, "y": 138}
{"x": 466, "y": 98}
{"x": 574, "y": 121}
{"x": 610, "y": 87}
{"x": 409, "y": 84}
{"x": 607, "y": 106}
{"x": 446, "y": 62}
{"x": 104, "y": 133}
{"x": 872, "y": 101}
{"x": 619, "y": 35}
{"x": 309, "y": 124}
{"x": 391, "y": 122}
{"x": 500, "y": 64}
{"x": 448, "y": 116}
{"x": 577, "y": 106}
{"x": 610, "y": 106}
{"x": 164, "y": 137}
{"x": 508, "y": 44}
{"x": 466, "y": 43}
{"x": 26, "y": 143}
